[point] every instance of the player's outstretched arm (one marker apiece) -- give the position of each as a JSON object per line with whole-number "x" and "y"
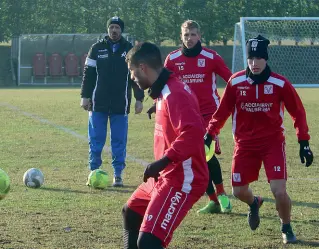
{"x": 224, "y": 110}
{"x": 297, "y": 112}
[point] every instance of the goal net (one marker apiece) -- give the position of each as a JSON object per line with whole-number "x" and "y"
{"x": 293, "y": 50}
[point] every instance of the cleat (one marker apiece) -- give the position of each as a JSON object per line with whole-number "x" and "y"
{"x": 289, "y": 237}
{"x": 224, "y": 203}
{"x": 253, "y": 214}
{"x": 211, "y": 208}
{"x": 117, "y": 182}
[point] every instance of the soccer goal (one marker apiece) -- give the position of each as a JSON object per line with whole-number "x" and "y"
{"x": 293, "y": 50}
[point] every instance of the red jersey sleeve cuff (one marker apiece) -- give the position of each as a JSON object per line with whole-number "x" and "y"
{"x": 302, "y": 137}
{"x": 172, "y": 156}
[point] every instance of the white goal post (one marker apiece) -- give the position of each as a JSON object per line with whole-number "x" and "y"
{"x": 293, "y": 50}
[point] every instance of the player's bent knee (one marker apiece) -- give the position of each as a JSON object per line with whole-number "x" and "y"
{"x": 239, "y": 191}
{"x": 148, "y": 241}
{"x": 132, "y": 220}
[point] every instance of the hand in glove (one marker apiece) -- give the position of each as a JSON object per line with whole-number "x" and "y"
{"x": 153, "y": 169}
{"x": 305, "y": 153}
{"x": 151, "y": 111}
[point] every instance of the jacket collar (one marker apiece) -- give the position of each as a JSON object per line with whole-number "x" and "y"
{"x": 155, "y": 90}
{"x": 260, "y": 78}
{"x": 192, "y": 52}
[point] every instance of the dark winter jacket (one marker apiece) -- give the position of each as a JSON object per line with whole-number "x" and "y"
{"x": 106, "y": 78}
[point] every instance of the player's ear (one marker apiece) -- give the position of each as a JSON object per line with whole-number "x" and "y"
{"x": 200, "y": 35}
{"x": 143, "y": 67}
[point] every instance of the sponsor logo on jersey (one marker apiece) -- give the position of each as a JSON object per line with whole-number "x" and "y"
{"x": 201, "y": 62}
{"x": 236, "y": 177}
{"x": 175, "y": 200}
{"x": 268, "y": 89}
{"x": 102, "y": 56}
{"x": 256, "y": 107}
{"x": 243, "y": 87}
{"x": 193, "y": 78}
{"x": 179, "y": 63}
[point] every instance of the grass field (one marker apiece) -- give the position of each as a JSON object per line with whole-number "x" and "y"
{"x": 46, "y": 128}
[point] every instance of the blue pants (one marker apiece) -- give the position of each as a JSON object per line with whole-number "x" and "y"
{"x": 97, "y": 137}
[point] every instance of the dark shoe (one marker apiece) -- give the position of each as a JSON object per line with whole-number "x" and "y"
{"x": 117, "y": 182}
{"x": 253, "y": 214}
{"x": 288, "y": 237}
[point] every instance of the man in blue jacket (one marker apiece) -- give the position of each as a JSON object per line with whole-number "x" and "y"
{"x": 106, "y": 93}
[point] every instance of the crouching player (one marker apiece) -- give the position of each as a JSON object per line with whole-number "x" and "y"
{"x": 256, "y": 98}
{"x": 179, "y": 176}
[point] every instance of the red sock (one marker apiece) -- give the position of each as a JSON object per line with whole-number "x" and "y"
{"x": 213, "y": 197}
{"x": 220, "y": 189}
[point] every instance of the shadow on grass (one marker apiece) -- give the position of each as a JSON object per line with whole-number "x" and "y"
{"x": 308, "y": 243}
{"x": 125, "y": 189}
{"x": 309, "y": 222}
{"x": 294, "y": 203}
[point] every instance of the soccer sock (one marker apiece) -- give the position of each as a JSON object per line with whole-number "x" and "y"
{"x": 254, "y": 205}
{"x": 215, "y": 170}
{"x": 213, "y": 197}
{"x": 220, "y": 189}
{"x": 132, "y": 222}
{"x": 149, "y": 241}
{"x": 286, "y": 227}
{"x": 130, "y": 239}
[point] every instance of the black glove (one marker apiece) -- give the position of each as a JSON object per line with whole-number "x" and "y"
{"x": 305, "y": 153}
{"x": 151, "y": 110}
{"x": 208, "y": 139}
{"x": 153, "y": 169}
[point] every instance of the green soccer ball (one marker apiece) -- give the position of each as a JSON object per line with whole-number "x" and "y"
{"x": 98, "y": 179}
{"x": 4, "y": 184}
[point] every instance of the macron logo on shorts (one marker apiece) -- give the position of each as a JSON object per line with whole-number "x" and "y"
{"x": 175, "y": 200}
{"x": 236, "y": 177}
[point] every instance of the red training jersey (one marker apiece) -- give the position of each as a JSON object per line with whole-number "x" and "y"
{"x": 258, "y": 109}
{"x": 179, "y": 132}
{"x": 199, "y": 73}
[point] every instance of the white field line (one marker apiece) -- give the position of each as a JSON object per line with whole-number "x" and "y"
{"x": 66, "y": 130}
{"x": 106, "y": 148}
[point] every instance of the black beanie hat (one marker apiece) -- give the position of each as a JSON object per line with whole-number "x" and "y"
{"x": 115, "y": 20}
{"x": 257, "y": 47}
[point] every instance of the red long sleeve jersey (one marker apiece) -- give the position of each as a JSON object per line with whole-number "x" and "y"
{"x": 199, "y": 73}
{"x": 258, "y": 109}
{"x": 179, "y": 132}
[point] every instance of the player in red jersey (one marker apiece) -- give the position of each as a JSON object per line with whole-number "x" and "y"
{"x": 198, "y": 67}
{"x": 256, "y": 98}
{"x": 179, "y": 176}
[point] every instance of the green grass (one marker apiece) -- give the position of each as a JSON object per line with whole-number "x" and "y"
{"x": 64, "y": 213}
